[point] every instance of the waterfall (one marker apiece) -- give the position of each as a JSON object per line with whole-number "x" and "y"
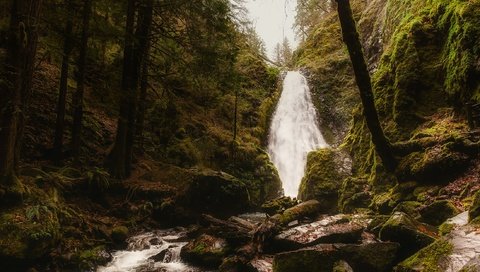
{"x": 294, "y": 132}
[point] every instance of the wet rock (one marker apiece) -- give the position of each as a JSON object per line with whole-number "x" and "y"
{"x": 437, "y": 212}
{"x": 372, "y": 257}
{"x": 328, "y": 230}
{"x": 326, "y": 169}
{"x": 408, "y": 232}
{"x": 457, "y": 251}
{"x": 306, "y": 209}
{"x": 206, "y": 250}
{"x": 217, "y": 193}
{"x": 342, "y": 266}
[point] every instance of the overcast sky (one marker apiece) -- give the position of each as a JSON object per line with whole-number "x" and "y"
{"x": 273, "y": 20}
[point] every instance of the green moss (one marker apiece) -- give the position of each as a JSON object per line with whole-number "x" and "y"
{"x": 445, "y": 228}
{"x": 474, "y": 210}
{"x": 119, "y": 234}
{"x": 429, "y": 258}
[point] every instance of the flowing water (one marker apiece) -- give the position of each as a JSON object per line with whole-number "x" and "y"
{"x": 294, "y": 132}
{"x": 151, "y": 251}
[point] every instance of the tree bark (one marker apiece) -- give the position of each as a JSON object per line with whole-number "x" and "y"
{"x": 142, "y": 104}
{"x": 62, "y": 95}
{"x": 78, "y": 96}
{"x": 116, "y": 159}
{"x": 18, "y": 69}
{"x": 362, "y": 76}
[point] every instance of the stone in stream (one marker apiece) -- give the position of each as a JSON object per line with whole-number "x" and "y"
{"x": 206, "y": 251}
{"x": 408, "y": 232}
{"x": 458, "y": 251}
{"x": 332, "y": 229}
{"x": 371, "y": 257}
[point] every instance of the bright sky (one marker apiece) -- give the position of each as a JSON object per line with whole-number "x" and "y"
{"x": 273, "y": 20}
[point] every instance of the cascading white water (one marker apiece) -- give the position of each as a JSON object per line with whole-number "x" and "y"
{"x": 294, "y": 132}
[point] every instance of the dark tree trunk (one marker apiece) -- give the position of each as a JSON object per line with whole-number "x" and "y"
{"x": 362, "y": 76}
{"x": 116, "y": 159}
{"x": 62, "y": 95}
{"x": 142, "y": 100}
{"x": 15, "y": 90}
{"x": 78, "y": 96}
{"x": 142, "y": 33}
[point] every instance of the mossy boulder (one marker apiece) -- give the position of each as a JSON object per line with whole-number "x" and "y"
{"x": 309, "y": 208}
{"x": 474, "y": 210}
{"x": 354, "y": 194}
{"x": 119, "y": 234}
{"x": 411, "y": 208}
{"x": 217, "y": 193}
{"x": 437, "y": 212}
{"x": 206, "y": 251}
{"x": 376, "y": 256}
{"x": 386, "y": 202}
{"x": 436, "y": 165}
{"x": 408, "y": 232}
{"x": 279, "y": 205}
{"x": 326, "y": 169}
{"x": 427, "y": 259}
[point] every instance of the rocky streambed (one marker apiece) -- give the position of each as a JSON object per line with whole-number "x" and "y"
{"x": 299, "y": 239}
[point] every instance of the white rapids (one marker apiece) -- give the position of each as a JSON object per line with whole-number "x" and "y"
{"x": 151, "y": 251}
{"x": 294, "y": 132}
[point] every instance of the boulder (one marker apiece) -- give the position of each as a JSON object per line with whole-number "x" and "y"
{"x": 372, "y": 257}
{"x": 217, "y": 193}
{"x": 278, "y": 205}
{"x": 119, "y": 234}
{"x": 438, "y": 212}
{"x": 206, "y": 251}
{"x": 408, "y": 232}
{"x": 456, "y": 251}
{"x": 329, "y": 230}
{"x": 305, "y": 209}
{"x": 326, "y": 169}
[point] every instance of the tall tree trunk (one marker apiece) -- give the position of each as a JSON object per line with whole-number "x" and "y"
{"x": 62, "y": 95}
{"x": 78, "y": 96}
{"x": 142, "y": 100}
{"x": 18, "y": 69}
{"x": 145, "y": 17}
{"x": 362, "y": 76}
{"x": 116, "y": 159}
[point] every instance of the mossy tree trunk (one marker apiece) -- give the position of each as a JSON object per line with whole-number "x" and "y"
{"x": 78, "y": 96}
{"x": 15, "y": 90}
{"x": 62, "y": 94}
{"x": 362, "y": 76}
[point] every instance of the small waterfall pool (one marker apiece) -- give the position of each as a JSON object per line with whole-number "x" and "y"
{"x": 294, "y": 132}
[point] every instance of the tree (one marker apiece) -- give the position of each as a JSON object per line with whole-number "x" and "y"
{"x": 18, "y": 69}
{"x": 67, "y": 50}
{"x": 362, "y": 76}
{"x": 78, "y": 96}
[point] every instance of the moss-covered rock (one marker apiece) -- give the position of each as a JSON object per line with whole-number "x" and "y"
{"x": 119, "y": 234}
{"x": 378, "y": 256}
{"x": 325, "y": 171}
{"x": 279, "y": 205}
{"x": 354, "y": 194}
{"x": 217, "y": 193}
{"x": 305, "y": 209}
{"x": 437, "y": 212}
{"x": 409, "y": 207}
{"x": 427, "y": 259}
{"x": 206, "y": 250}
{"x": 408, "y": 232}
{"x": 474, "y": 210}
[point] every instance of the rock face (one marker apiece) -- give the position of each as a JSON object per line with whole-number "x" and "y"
{"x": 376, "y": 256}
{"x": 326, "y": 169}
{"x": 457, "y": 251}
{"x": 408, "y": 232}
{"x": 474, "y": 210}
{"x": 217, "y": 193}
{"x": 206, "y": 250}
{"x": 329, "y": 230}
